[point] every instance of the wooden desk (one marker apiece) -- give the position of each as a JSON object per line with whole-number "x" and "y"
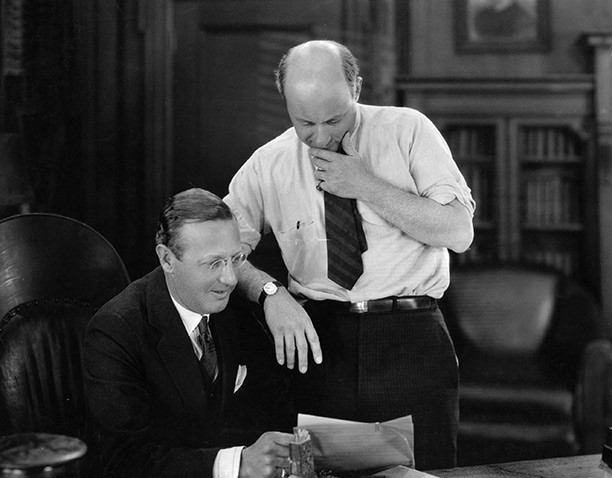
{"x": 585, "y": 466}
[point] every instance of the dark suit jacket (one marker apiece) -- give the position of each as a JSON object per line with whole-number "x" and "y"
{"x": 149, "y": 411}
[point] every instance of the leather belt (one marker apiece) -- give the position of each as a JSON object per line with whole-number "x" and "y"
{"x": 391, "y": 304}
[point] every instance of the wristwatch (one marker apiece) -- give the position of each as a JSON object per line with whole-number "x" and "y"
{"x": 268, "y": 289}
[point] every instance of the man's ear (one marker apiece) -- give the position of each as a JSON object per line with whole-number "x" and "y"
{"x": 166, "y": 258}
{"x": 358, "y": 87}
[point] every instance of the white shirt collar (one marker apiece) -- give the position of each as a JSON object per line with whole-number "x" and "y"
{"x": 190, "y": 318}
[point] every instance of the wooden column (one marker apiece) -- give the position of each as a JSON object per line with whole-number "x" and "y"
{"x": 602, "y": 43}
{"x": 382, "y": 52}
{"x": 369, "y": 31}
{"x": 157, "y": 23}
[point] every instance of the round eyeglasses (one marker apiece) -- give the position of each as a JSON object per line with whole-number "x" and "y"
{"x": 237, "y": 261}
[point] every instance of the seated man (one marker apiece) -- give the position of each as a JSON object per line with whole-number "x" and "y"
{"x": 162, "y": 360}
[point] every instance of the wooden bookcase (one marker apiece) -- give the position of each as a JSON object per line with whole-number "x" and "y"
{"x": 526, "y": 149}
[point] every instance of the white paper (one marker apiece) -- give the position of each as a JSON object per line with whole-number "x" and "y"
{"x": 344, "y": 445}
{"x": 402, "y": 472}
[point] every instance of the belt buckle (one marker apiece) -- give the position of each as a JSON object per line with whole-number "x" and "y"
{"x": 360, "y": 307}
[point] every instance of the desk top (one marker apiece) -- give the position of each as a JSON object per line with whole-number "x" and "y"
{"x": 584, "y": 466}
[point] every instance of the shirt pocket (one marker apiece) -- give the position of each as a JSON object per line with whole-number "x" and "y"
{"x": 304, "y": 250}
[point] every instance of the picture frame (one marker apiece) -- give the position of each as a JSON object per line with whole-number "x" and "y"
{"x": 501, "y": 26}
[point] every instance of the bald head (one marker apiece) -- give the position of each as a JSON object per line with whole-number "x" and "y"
{"x": 317, "y": 64}
{"x": 320, "y": 83}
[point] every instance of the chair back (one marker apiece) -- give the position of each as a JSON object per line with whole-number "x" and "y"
{"x": 519, "y": 332}
{"x": 504, "y": 310}
{"x": 54, "y": 274}
{"x": 51, "y": 256}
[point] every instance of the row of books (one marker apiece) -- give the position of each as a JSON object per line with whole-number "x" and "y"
{"x": 542, "y": 143}
{"x": 551, "y": 199}
{"x": 564, "y": 262}
{"x": 549, "y": 143}
{"x": 480, "y": 181}
{"x": 474, "y": 255}
{"x": 472, "y": 142}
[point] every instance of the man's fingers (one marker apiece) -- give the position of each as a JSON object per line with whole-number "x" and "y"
{"x": 293, "y": 332}
{"x": 282, "y": 462}
{"x": 279, "y": 348}
{"x": 315, "y": 345}
{"x": 347, "y": 144}
{"x": 302, "y": 351}
{"x": 283, "y": 440}
{"x": 290, "y": 351}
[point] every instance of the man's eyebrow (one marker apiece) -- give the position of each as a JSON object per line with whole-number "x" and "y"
{"x": 214, "y": 257}
{"x": 338, "y": 116}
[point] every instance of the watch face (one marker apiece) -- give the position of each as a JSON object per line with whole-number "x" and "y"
{"x": 270, "y": 288}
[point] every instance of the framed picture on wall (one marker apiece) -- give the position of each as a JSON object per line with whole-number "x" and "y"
{"x": 501, "y": 26}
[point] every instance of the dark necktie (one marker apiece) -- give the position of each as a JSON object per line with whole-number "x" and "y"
{"x": 345, "y": 239}
{"x": 208, "y": 361}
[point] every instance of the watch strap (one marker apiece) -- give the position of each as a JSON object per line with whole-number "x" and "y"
{"x": 263, "y": 295}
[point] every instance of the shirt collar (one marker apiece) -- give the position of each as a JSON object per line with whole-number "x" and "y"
{"x": 357, "y": 123}
{"x": 190, "y": 318}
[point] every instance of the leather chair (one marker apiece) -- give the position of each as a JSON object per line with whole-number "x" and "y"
{"x": 54, "y": 273}
{"x": 593, "y": 405}
{"x": 520, "y": 332}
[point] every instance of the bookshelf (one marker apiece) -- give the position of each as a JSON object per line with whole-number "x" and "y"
{"x": 475, "y": 144}
{"x": 525, "y": 148}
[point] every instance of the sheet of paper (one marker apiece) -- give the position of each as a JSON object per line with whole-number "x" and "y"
{"x": 402, "y": 472}
{"x": 344, "y": 445}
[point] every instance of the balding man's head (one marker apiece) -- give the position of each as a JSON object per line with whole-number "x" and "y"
{"x": 317, "y": 61}
{"x": 321, "y": 85}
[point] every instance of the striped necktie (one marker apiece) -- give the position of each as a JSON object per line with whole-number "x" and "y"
{"x": 345, "y": 239}
{"x": 208, "y": 360}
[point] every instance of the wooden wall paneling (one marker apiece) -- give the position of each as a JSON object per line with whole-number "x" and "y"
{"x": 403, "y": 37}
{"x": 137, "y": 238}
{"x": 110, "y": 72}
{"x": 86, "y": 28}
{"x": 503, "y": 170}
{"x": 97, "y": 23}
{"x": 106, "y": 187}
{"x": 432, "y": 49}
{"x": 369, "y": 31}
{"x": 226, "y": 104}
{"x": 602, "y": 44}
{"x": 157, "y": 23}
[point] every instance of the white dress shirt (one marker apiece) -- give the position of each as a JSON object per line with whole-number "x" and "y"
{"x": 275, "y": 190}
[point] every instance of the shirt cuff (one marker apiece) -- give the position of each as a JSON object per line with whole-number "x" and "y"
{"x": 227, "y": 462}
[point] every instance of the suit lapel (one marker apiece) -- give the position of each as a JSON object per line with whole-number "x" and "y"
{"x": 174, "y": 346}
{"x": 224, "y": 334}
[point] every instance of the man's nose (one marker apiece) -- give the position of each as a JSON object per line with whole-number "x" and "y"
{"x": 228, "y": 274}
{"x": 320, "y": 137}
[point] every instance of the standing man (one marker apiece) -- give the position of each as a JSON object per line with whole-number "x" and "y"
{"x": 162, "y": 360}
{"x": 365, "y": 202}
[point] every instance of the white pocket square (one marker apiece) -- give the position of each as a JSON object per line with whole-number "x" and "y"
{"x": 240, "y": 376}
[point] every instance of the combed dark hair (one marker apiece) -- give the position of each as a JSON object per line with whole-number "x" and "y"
{"x": 349, "y": 66}
{"x": 191, "y": 205}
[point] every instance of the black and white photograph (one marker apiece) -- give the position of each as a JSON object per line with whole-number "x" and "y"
{"x": 305, "y": 238}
